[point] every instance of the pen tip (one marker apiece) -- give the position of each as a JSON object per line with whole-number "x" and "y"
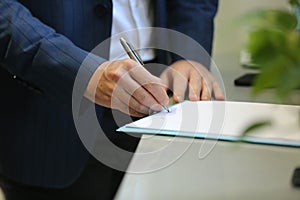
{"x": 166, "y": 109}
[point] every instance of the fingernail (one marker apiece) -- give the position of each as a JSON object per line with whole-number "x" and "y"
{"x": 193, "y": 98}
{"x": 205, "y": 98}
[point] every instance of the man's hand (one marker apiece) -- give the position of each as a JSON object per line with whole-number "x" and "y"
{"x": 128, "y": 87}
{"x": 200, "y": 82}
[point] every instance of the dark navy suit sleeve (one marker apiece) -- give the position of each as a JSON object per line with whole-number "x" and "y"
{"x": 194, "y": 18}
{"x": 38, "y": 55}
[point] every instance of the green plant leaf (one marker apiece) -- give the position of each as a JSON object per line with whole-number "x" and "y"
{"x": 274, "y": 46}
{"x": 281, "y": 19}
{"x": 276, "y": 19}
{"x": 271, "y": 73}
{"x": 255, "y": 126}
{"x": 292, "y": 45}
{"x": 295, "y": 2}
{"x": 289, "y": 82}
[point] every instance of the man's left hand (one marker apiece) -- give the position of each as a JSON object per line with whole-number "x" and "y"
{"x": 191, "y": 75}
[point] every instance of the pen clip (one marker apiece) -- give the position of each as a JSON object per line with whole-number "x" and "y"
{"x": 135, "y": 53}
{"x": 132, "y": 53}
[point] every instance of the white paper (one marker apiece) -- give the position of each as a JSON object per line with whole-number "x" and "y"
{"x": 224, "y": 120}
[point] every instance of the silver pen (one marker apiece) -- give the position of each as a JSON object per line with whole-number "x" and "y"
{"x": 134, "y": 55}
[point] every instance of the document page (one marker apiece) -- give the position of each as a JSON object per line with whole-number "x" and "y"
{"x": 224, "y": 120}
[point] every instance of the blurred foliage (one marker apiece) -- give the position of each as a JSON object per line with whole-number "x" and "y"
{"x": 274, "y": 45}
{"x": 253, "y": 127}
{"x": 295, "y": 2}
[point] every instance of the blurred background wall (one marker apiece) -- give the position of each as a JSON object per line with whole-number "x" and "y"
{"x": 229, "y": 36}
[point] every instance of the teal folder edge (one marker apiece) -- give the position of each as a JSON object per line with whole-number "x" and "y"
{"x": 209, "y": 136}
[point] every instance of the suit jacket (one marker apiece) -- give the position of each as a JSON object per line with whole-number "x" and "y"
{"x": 42, "y": 45}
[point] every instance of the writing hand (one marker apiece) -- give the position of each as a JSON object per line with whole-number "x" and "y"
{"x": 126, "y": 86}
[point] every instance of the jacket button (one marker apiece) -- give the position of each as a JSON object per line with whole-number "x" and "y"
{"x": 101, "y": 10}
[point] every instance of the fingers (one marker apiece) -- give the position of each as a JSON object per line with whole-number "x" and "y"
{"x": 151, "y": 84}
{"x": 139, "y": 93}
{"x": 123, "y": 107}
{"x": 195, "y": 86}
{"x": 200, "y": 88}
{"x": 201, "y": 83}
{"x": 166, "y": 79}
{"x": 218, "y": 91}
{"x": 180, "y": 83}
{"x": 127, "y": 99}
{"x": 206, "y": 90}
{"x": 126, "y": 86}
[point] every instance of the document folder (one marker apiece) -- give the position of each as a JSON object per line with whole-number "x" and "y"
{"x": 224, "y": 120}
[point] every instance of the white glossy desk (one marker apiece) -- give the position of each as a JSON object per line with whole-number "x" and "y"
{"x": 229, "y": 171}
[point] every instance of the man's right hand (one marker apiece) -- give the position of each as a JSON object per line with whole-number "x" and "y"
{"x": 128, "y": 87}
